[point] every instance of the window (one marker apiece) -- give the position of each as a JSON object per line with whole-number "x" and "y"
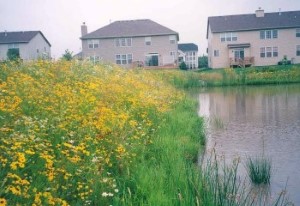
{"x": 228, "y": 37}
{"x": 262, "y": 52}
{"x": 297, "y": 32}
{"x": 269, "y": 52}
{"x": 95, "y": 59}
{"x": 93, "y": 44}
{"x": 275, "y": 51}
{"x": 216, "y": 53}
{"x": 148, "y": 41}
{"x": 123, "y": 42}
{"x": 298, "y": 50}
{"x": 123, "y": 58}
{"x": 13, "y": 46}
{"x": 223, "y": 37}
{"x": 172, "y": 53}
{"x": 172, "y": 39}
{"x": 268, "y": 34}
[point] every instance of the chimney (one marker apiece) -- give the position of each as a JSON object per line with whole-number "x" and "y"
{"x": 260, "y": 12}
{"x": 5, "y": 33}
{"x": 83, "y": 29}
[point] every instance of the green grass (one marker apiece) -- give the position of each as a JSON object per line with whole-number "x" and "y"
{"x": 249, "y": 76}
{"x": 168, "y": 174}
{"x": 259, "y": 170}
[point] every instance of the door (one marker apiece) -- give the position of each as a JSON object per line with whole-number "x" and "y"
{"x": 239, "y": 54}
{"x": 152, "y": 60}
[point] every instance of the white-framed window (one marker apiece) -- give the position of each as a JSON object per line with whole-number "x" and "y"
{"x": 298, "y": 32}
{"x": 216, "y": 53}
{"x": 225, "y": 37}
{"x": 262, "y": 52}
{"x": 123, "y": 58}
{"x": 172, "y": 39}
{"x": 148, "y": 40}
{"x": 123, "y": 42}
{"x": 269, "y": 52}
{"x": 172, "y": 53}
{"x": 95, "y": 59}
{"x": 268, "y": 34}
{"x": 93, "y": 43}
{"x": 275, "y": 51}
{"x": 298, "y": 50}
{"x": 13, "y": 46}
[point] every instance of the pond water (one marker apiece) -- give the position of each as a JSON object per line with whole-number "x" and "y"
{"x": 253, "y": 121}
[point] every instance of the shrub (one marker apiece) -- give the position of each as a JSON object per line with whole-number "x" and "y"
{"x": 183, "y": 66}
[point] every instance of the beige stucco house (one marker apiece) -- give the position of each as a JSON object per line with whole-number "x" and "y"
{"x": 30, "y": 44}
{"x": 257, "y": 39}
{"x": 188, "y": 53}
{"x": 131, "y": 43}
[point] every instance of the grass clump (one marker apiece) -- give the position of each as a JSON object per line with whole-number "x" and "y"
{"x": 259, "y": 170}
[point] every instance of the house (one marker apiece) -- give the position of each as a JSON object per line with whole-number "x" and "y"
{"x": 257, "y": 39}
{"x": 131, "y": 43}
{"x": 188, "y": 53}
{"x": 31, "y": 45}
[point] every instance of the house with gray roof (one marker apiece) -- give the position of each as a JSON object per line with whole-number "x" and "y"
{"x": 188, "y": 53}
{"x": 31, "y": 45}
{"x": 131, "y": 43}
{"x": 257, "y": 39}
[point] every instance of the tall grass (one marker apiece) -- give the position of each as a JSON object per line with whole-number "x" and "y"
{"x": 259, "y": 170}
{"x": 231, "y": 77}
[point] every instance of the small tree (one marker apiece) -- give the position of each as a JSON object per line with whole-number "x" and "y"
{"x": 183, "y": 66}
{"x": 68, "y": 56}
{"x": 203, "y": 62}
{"x": 13, "y": 54}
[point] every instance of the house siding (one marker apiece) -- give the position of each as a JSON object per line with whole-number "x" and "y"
{"x": 159, "y": 44}
{"x": 28, "y": 51}
{"x": 286, "y": 43}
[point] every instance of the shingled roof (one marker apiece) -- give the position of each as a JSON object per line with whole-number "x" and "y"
{"x": 188, "y": 47}
{"x": 19, "y": 37}
{"x": 130, "y": 28}
{"x": 247, "y": 22}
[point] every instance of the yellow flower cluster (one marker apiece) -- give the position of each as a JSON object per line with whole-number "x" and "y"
{"x": 67, "y": 129}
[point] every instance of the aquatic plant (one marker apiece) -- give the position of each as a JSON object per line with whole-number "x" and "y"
{"x": 259, "y": 170}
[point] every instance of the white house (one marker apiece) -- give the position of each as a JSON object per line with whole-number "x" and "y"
{"x": 30, "y": 44}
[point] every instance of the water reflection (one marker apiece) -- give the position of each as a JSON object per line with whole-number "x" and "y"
{"x": 256, "y": 121}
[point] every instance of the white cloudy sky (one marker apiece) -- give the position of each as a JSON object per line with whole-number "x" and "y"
{"x": 60, "y": 20}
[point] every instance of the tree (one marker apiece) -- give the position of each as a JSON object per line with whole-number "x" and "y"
{"x": 203, "y": 62}
{"x": 183, "y": 66}
{"x": 13, "y": 54}
{"x": 68, "y": 56}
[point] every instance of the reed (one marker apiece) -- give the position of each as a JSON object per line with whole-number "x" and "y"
{"x": 259, "y": 170}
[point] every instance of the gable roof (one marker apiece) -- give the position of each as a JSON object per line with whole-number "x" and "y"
{"x": 188, "y": 47}
{"x": 247, "y": 22}
{"x": 130, "y": 28}
{"x": 19, "y": 37}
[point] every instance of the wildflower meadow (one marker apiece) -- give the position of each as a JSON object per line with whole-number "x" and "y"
{"x": 70, "y": 130}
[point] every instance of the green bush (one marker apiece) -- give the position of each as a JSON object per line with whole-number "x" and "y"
{"x": 183, "y": 66}
{"x": 13, "y": 54}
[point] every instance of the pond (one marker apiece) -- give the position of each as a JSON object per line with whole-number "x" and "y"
{"x": 256, "y": 121}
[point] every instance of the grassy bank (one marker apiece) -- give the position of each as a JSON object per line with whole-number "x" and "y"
{"x": 232, "y": 77}
{"x": 79, "y": 134}
{"x": 71, "y": 133}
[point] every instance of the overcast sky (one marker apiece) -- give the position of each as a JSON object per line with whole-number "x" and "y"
{"x": 60, "y": 20}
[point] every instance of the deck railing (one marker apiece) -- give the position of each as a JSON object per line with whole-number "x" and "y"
{"x": 246, "y": 61}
